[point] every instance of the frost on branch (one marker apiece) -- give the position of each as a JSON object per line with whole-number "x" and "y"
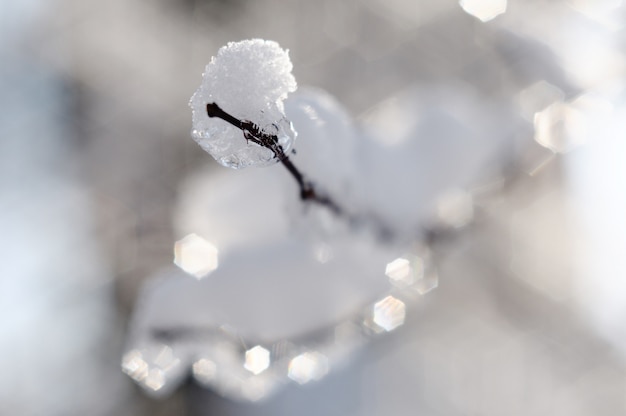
{"x": 248, "y": 80}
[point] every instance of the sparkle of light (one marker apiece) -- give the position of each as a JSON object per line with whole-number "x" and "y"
{"x": 308, "y": 366}
{"x": 195, "y": 256}
{"x": 484, "y": 10}
{"x": 134, "y": 365}
{"x": 399, "y": 270}
{"x": 389, "y": 313}
{"x": 204, "y": 370}
{"x": 561, "y": 127}
{"x": 257, "y": 360}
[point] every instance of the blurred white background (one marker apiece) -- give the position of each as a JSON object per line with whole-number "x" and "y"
{"x": 530, "y": 313}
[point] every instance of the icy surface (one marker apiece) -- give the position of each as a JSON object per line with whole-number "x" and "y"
{"x": 249, "y": 80}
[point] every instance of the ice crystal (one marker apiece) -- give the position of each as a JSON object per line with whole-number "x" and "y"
{"x": 249, "y": 80}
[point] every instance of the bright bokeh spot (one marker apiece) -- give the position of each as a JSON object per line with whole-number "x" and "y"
{"x": 410, "y": 271}
{"x": 151, "y": 368}
{"x": 389, "y": 313}
{"x": 399, "y": 270}
{"x": 564, "y": 126}
{"x": 195, "y": 256}
{"x": 134, "y": 365}
{"x": 204, "y": 370}
{"x": 257, "y": 360}
{"x": 484, "y": 10}
{"x": 308, "y": 366}
{"x": 556, "y": 127}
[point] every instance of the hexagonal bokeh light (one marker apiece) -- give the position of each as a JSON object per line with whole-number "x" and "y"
{"x": 195, "y": 255}
{"x": 389, "y": 313}
{"x": 484, "y": 10}
{"x": 308, "y": 366}
{"x": 257, "y": 360}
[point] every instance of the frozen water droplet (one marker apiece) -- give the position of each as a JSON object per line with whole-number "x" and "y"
{"x": 249, "y": 80}
{"x": 271, "y": 129}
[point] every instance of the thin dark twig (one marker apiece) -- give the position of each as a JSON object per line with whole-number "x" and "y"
{"x": 308, "y": 191}
{"x": 253, "y": 133}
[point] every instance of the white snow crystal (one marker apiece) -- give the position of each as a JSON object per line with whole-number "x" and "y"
{"x": 249, "y": 80}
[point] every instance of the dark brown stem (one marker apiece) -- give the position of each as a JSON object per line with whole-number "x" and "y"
{"x": 253, "y": 133}
{"x": 308, "y": 191}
